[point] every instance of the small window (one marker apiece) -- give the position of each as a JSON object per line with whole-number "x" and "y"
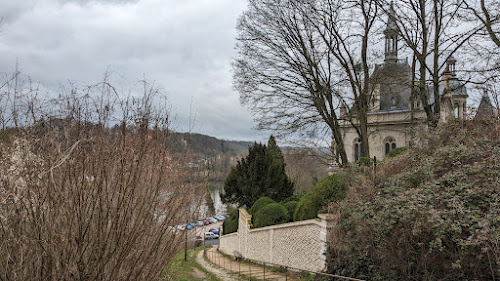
{"x": 455, "y": 110}
{"x": 390, "y": 144}
{"x": 357, "y": 149}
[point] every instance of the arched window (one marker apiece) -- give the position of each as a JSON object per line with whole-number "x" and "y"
{"x": 390, "y": 144}
{"x": 455, "y": 110}
{"x": 357, "y": 149}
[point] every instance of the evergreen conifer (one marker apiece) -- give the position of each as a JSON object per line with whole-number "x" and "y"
{"x": 261, "y": 173}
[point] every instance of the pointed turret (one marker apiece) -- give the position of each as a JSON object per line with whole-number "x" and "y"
{"x": 449, "y": 72}
{"x": 391, "y": 37}
{"x": 485, "y": 109}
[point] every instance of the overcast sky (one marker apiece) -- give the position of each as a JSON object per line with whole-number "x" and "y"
{"x": 186, "y": 47}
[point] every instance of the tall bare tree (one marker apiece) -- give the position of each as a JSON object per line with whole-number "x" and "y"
{"x": 433, "y": 33}
{"x": 347, "y": 29}
{"x": 488, "y": 13}
{"x": 284, "y": 71}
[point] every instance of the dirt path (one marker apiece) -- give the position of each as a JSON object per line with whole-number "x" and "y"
{"x": 255, "y": 271}
{"x": 220, "y": 273}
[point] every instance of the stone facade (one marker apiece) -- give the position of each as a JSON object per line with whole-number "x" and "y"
{"x": 299, "y": 245}
{"x": 392, "y": 111}
{"x": 385, "y": 128}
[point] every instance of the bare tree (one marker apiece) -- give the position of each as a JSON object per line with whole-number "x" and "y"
{"x": 488, "y": 13}
{"x": 433, "y": 32}
{"x": 301, "y": 61}
{"x": 347, "y": 29}
{"x": 83, "y": 199}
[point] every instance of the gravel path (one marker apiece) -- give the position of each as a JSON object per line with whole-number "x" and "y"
{"x": 220, "y": 273}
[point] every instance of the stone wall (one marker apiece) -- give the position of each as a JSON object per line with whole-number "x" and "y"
{"x": 300, "y": 245}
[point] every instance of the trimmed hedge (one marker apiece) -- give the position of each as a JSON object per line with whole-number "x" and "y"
{"x": 365, "y": 161}
{"x": 271, "y": 214}
{"x": 307, "y": 208}
{"x": 230, "y": 224}
{"x": 396, "y": 151}
{"x": 261, "y": 202}
{"x": 295, "y": 197}
{"x": 329, "y": 189}
{"x": 290, "y": 207}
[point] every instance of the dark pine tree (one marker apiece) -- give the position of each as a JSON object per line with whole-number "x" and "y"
{"x": 261, "y": 173}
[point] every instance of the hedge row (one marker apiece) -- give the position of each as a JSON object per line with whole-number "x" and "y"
{"x": 329, "y": 189}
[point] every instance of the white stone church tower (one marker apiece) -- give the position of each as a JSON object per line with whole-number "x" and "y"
{"x": 391, "y": 110}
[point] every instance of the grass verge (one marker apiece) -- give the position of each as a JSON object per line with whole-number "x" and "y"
{"x": 190, "y": 270}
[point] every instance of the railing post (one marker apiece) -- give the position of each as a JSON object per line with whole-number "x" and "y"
{"x": 239, "y": 268}
{"x": 286, "y": 273}
{"x": 250, "y": 269}
{"x": 264, "y": 271}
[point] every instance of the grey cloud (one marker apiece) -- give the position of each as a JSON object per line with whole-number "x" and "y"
{"x": 186, "y": 47}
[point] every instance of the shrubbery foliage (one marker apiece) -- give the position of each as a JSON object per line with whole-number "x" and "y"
{"x": 271, "y": 214}
{"x": 230, "y": 224}
{"x": 365, "y": 161}
{"x": 261, "y": 173}
{"x": 295, "y": 197}
{"x": 395, "y": 152}
{"x": 261, "y": 202}
{"x": 330, "y": 189}
{"x": 290, "y": 207}
{"x": 436, "y": 219}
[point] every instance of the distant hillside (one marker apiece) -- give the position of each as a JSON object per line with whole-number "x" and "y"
{"x": 218, "y": 156}
{"x": 207, "y": 145}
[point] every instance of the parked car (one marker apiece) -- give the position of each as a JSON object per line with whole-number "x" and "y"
{"x": 215, "y": 230}
{"x": 206, "y": 222}
{"x": 213, "y": 220}
{"x": 191, "y": 225}
{"x": 211, "y": 235}
{"x": 181, "y": 226}
{"x": 199, "y": 223}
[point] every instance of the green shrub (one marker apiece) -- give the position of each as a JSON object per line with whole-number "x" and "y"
{"x": 261, "y": 202}
{"x": 365, "y": 161}
{"x": 442, "y": 207}
{"x": 329, "y": 189}
{"x": 395, "y": 152}
{"x": 230, "y": 224}
{"x": 290, "y": 207}
{"x": 271, "y": 214}
{"x": 307, "y": 208}
{"x": 295, "y": 197}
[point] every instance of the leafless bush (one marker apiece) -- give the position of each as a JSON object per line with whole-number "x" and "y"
{"x": 93, "y": 194}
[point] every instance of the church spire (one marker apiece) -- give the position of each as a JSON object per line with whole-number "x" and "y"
{"x": 485, "y": 108}
{"x": 391, "y": 37}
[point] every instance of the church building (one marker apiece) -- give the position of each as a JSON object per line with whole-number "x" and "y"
{"x": 392, "y": 112}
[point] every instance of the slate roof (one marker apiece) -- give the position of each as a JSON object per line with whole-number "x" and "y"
{"x": 485, "y": 108}
{"x": 394, "y": 80}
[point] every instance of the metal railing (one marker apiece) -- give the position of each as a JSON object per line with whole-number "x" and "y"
{"x": 267, "y": 271}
